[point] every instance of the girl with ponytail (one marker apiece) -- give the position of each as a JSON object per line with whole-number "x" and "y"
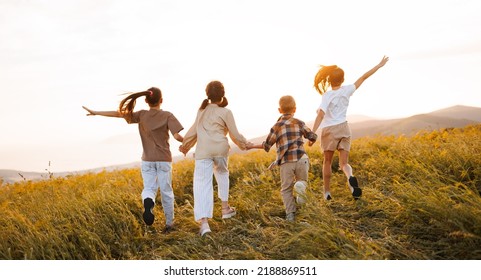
{"x": 209, "y": 134}
{"x": 154, "y": 127}
{"x": 331, "y": 117}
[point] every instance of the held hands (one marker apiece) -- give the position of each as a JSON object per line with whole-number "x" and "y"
{"x": 183, "y": 150}
{"x": 250, "y": 146}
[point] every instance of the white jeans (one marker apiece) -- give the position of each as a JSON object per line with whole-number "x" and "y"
{"x": 203, "y": 185}
{"x": 158, "y": 175}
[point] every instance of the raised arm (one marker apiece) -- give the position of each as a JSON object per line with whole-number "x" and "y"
{"x": 114, "y": 114}
{"x": 368, "y": 74}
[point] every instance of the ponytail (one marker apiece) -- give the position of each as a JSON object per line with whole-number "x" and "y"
{"x": 328, "y": 76}
{"x": 204, "y": 104}
{"x": 127, "y": 105}
{"x": 224, "y": 102}
{"x": 153, "y": 96}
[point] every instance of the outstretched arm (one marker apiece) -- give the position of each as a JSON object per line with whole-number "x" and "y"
{"x": 368, "y": 74}
{"x": 114, "y": 114}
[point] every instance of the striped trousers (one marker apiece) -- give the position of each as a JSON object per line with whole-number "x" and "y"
{"x": 203, "y": 185}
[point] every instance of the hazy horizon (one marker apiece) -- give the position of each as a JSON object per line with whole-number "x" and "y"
{"x": 60, "y": 55}
{"x": 110, "y": 157}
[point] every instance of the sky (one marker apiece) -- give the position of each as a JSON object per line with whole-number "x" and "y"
{"x": 57, "y": 56}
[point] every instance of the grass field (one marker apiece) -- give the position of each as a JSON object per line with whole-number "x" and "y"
{"x": 421, "y": 200}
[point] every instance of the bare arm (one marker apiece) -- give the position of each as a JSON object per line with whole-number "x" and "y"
{"x": 317, "y": 123}
{"x": 190, "y": 138}
{"x": 250, "y": 146}
{"x": 114, "y": 114}
{"x": 368, "y": 74}
{"x": 178, "y": 137}
{"x": 234, "y": 133}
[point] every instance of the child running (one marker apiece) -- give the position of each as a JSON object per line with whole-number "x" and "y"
{"x": 331, "y": 117}
{"x": 209, "y": 131}
{"x": 154, "y": 127}
{"x": 288, "y": 135}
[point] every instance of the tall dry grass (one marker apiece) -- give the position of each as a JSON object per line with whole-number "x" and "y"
{"x": 421, "y": 200}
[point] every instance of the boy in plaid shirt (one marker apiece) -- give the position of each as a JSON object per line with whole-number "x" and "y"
{"x": 288, "y": 135}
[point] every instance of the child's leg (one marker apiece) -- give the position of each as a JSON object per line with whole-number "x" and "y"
{"x": 221, "y": 173}
{"x": 347, "y": 169}
{"x": 301, "y": 172}
{"x": 203, "y": 189}
{"x": 164, "y": 179}
{"x": 149, "y": 178}
{"x": 287, "y": 185}
{"x": 327, "y": 170}
{"x": 343, "y": 161}
{"x": 302, "y": 169}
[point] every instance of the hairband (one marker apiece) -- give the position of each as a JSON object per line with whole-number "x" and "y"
{"x": 151, "y": 93}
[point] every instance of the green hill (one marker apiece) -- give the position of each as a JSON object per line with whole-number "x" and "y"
{"x": 421, "y": 200}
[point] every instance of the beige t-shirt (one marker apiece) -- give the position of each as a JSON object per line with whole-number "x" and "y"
{"x": 154, "y": 127}
{"x": 209, "y": 132}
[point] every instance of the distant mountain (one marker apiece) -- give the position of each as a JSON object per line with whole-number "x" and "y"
{"x": 361, "y": 126}
{"x": 456, "y": 116}
{"x": 358, "y": 118}
{"x": 11, "y": 176}
{"x": 459, "y": 112}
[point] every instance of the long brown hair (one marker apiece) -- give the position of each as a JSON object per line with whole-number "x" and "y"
{"x": 328, "y": 76}
{"x": 153, "y": 96}
{"x": 215, "y": 93}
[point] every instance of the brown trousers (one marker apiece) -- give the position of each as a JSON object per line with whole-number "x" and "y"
{"x": 290, "y": 173}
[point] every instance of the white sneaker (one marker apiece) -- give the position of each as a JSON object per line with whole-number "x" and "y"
{"x": 228, "y": 213}
{"x": 291, "y": 217}
{"x": 204, "y": 228}
{"x": 300, "y": 189}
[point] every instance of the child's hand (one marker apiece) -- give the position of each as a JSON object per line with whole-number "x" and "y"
{"x": 91, "y": 112}
{"x": 249, "y": 145}
{"x": 383, "y": 62}
{"x": 183, "y": 150}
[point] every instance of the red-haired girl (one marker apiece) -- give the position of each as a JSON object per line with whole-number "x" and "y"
{"x": 331, "y": 117}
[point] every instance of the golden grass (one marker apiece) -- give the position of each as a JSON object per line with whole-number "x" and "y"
{"x": 421, "y": 200}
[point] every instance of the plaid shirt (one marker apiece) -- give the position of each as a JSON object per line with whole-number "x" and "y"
{"x": 287, "y": 134}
